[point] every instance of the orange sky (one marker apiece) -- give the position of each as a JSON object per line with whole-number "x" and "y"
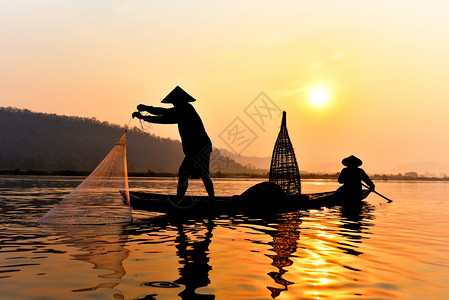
{"x": 385, "y": 65}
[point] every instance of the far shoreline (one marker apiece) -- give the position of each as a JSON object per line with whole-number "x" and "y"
{"x": 304, "y": 175}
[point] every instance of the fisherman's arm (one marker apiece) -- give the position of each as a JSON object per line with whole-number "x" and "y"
{"x": 161, "y": 115}
{"x": 166, "y": 119}
{"x": 160, "y": 111}
{"x": 367, "y": 180}
{"x": 159, "y": 119}
{"x": 341, "y": 178}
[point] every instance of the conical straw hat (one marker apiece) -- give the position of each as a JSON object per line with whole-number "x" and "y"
{"x": 178, "y": 95}
{"x": 351, "y": 161}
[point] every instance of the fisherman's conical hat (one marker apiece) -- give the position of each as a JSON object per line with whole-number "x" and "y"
{"x": 351, "y": 161}
{"x": 178, "y": 95}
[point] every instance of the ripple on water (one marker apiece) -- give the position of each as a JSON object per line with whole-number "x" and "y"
{"x": 395, "y": 251}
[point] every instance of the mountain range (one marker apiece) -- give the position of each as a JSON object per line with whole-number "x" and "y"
{"x": 39, "y": 141}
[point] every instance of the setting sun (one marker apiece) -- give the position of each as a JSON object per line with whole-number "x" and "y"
{"x": 318, "y": 96}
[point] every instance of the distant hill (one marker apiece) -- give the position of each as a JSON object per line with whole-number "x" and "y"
{"x": 426, "y": 168}
{"x": 249, "y": 161}
{"x": 39, "y": 141}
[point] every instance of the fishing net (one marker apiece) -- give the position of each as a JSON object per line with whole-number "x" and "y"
{"x": 284, "y": 168}
{"x": 98, "y": 199}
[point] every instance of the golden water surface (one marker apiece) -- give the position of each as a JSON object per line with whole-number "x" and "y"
{"x": 376, "y": 251}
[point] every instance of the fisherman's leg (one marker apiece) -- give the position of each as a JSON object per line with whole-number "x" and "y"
{"x": 209, "y": 186}
{"x": 203, "y": 167}
{"x": 184, "y": 174}
{"x": 183, "y": 183}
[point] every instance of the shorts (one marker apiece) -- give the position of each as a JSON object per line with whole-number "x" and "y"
{"x": 195, "y": 166}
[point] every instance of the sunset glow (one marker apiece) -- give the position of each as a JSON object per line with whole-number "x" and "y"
{"x": 319, "y": 96}
{"x": 102, "y": 60}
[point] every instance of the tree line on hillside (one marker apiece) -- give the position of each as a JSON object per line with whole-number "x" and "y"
{"x": 50, "y": 142}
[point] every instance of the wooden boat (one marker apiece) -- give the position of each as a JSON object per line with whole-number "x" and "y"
{"x": 263, "y": 197}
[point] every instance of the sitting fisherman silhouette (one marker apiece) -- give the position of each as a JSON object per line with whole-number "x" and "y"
{"x": 195, "y": 141}
{"x": 351, "y": 177}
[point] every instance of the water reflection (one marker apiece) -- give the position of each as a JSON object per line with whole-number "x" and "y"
{"x": 192, "y": 238}
{"x": 298, "y": 255}
{"x": 103, "y": 246}
{"x": 321, "y": 256}
{"x": 309, "y": 249}
{"x": 285, "y": 243}
{"x": 330, "y": 247}
{"x": 195, "y": 261}
{"x": 354, "y": 225}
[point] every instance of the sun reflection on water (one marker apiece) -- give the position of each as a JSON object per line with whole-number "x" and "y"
{"x": 317, "y": 257}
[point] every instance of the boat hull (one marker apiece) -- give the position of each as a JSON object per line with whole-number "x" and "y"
{"x": 257, "y": 199}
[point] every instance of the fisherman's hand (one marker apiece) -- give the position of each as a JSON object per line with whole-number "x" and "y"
{"x": 142, "y": 107}
{"x": 137, "y": 115}
{"x": 150, "y": 109}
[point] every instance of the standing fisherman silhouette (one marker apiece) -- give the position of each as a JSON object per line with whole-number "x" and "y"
{"x": 195, "y": 141}
{"x": 351, "y": 177}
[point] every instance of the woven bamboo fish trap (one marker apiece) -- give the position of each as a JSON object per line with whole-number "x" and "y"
{"x": 284, "y": 169}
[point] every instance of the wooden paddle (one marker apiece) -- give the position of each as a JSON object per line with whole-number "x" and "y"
{"x": 389, "y": 200}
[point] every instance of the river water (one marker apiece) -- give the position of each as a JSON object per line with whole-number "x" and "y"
{"x": 397, "y": 250}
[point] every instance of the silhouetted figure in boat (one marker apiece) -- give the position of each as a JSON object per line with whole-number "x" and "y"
{"x": 195, "y": 141}
{"x": 352, "y": 176}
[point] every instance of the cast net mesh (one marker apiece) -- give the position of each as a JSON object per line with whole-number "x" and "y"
{"x": 97, "y": 200}
{"x": 284, "y": 169}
